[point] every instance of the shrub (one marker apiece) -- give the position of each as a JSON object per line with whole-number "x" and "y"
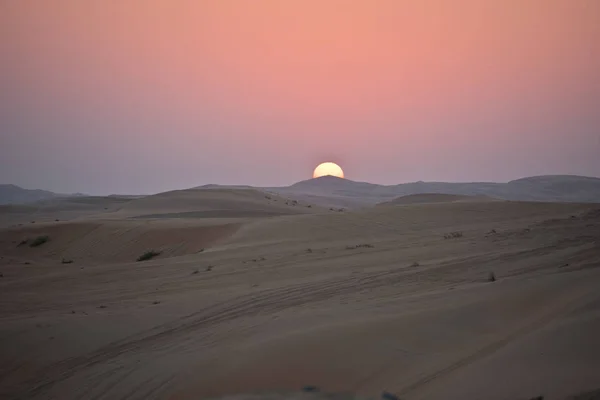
{"x": 492, "y": 277}
{"x": 415, "y": 264}
{"x": 148, "y": 255}
{"x": 453, "y": 235}
{"x": 40, "y": 240}
{"x": 67, "y": 261}
{"x": 389, "y": 396}
{"x": 358, "y": 246}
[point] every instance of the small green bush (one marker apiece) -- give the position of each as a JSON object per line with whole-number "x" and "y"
{"x": 40, "y": 240}
{"x": 148, "y": 255}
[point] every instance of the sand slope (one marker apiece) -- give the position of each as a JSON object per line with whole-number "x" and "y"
{"x": 63, "y": 208}
{"x": 216, "y": 203}
{"x": 356, "y": 302}
{"x": 423, "y": 198}
{"x": 95, "y": 242}
{"x": 173, "y": 223}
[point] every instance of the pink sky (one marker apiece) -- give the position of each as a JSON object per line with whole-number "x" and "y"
{"x": 144, "y": 96}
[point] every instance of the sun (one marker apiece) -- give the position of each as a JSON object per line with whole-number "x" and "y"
{"x": 328, "y": 168}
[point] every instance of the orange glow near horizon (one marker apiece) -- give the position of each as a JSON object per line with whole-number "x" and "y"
{"x": 328, "y": 169}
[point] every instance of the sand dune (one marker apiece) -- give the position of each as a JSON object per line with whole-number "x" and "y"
{"x": 329, "y": 190}
{"x": 61, "y": 208}
{"x": 204, "y": 203}
{"x": 435, "y": 198}
{"x": 357, "y": 302}
{"x": 96, "y": 242}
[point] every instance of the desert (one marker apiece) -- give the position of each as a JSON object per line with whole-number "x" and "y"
{"x": 251, "y": 292}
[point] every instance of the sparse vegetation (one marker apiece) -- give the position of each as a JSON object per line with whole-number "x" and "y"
{"x": 415, "y": 264}
{"x": 310, "y": 389}
{"x": 196, "y": 271}
{"x": 309, "y": 250}
{"x": 40, "y": 240}
{"x": 66, "y": 261}
{"x": 23, "y": 242}
{"x": 389, "y": 396}
{"x": 156, "y": 302}
{"x": 358, "y": 246}
{"x": 492, "y": 277}
{"x": 209, "y": 268}
{"x": 453, "y": 235}
{"x": 148, "y": 255}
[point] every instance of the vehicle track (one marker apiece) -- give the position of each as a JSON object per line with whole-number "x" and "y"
{"x": 579, "y": 301}
{"x": 268, "y": 301}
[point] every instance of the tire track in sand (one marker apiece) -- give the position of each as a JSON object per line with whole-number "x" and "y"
{"x": 535, "y": 325}
{"x": 273, "y": 300}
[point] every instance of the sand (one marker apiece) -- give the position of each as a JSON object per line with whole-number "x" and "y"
{"x": 251, "y": 294}
{"x": 423, "y": 198}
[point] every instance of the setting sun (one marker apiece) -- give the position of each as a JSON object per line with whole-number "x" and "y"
{"x": 328, "y": 168}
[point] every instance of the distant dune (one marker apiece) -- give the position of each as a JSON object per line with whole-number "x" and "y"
{"x": 435, "y": 198}
{"x": 329, "y": 191}
{"x": 214, "y": 203}
{"x": 12, "y": 194}
{"x": 556, "y": 188}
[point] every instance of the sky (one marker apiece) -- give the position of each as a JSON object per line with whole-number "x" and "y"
{"x": 143, "y": 96}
